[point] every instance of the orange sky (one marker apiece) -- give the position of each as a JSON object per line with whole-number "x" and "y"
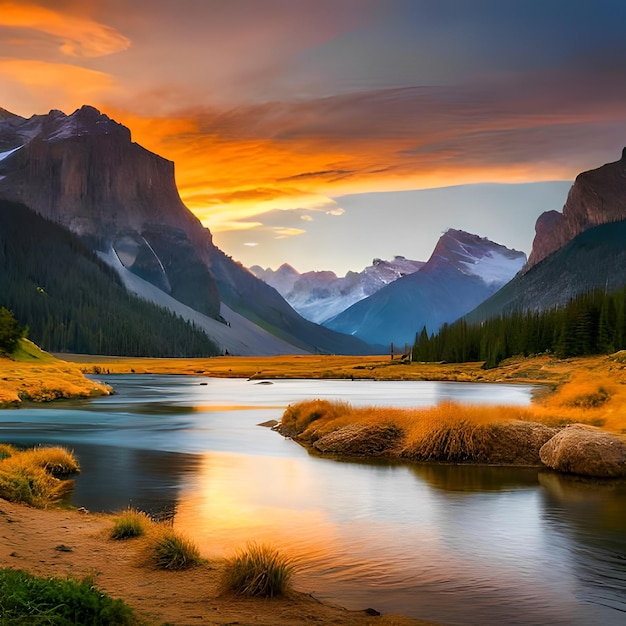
{"x": 271, "y": 105}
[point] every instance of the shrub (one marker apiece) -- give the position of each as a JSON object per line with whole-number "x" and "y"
{"x": 130, "y": 523}
{"x": 27, "y": 599}
{"x": 10, "y": 332}
{"x": 174, "y": 551}
{"x": 258, "y": 571}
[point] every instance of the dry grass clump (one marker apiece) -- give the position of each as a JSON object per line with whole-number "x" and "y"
{"x": 172, "y": 550}
{"x": 130, "y": 523}
{"x": 447, "y": 432}
{"x": 31, "y": 476}
{"x": 257, "y": 571}
{"x": 6, "y": 450}
{"x": 297, "y": 417}
{"x": 56, "y": 460}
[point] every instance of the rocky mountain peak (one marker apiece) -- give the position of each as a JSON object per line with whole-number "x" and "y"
{"x": 475, "y": 256}
{"x": 597, "y": 197}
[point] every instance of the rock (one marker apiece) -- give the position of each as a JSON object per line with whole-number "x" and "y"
{"x": 269, "y": 423}
{"x": 586, "y": 451}
{"x": 596, "y": 197}
{"x": 361, "y": 440}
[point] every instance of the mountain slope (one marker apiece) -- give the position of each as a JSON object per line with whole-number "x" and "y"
{"x": 320, "y": 295}
{"x": 71, "y": 301}
{"x": 463, "y": 270}
{"x": 84, "y": 172}
{"x": 595, "y": 259}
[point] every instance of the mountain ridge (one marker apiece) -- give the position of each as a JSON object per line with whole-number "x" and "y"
{"x": 84, "y": 172}
{"x": 447, "y": 287}
{"x": 321, "y": 295}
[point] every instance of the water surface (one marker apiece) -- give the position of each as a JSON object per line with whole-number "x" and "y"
{"x": 454, "y": 544}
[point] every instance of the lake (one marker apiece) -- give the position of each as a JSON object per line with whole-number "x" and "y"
{"x": 453, "y": 544}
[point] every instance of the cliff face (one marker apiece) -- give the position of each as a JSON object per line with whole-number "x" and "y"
{"x": 597, "y": 197}
{"x": 84, "y": 172}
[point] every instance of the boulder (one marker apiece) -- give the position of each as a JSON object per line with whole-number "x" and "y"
{"x": 361, "y": 440}
{"x": 586, "y": 451}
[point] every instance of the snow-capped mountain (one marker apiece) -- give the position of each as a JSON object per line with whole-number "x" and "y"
{"x": 318, "y": 296}
{"x": 463, "y": 271}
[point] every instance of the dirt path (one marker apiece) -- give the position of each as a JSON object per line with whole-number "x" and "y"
{"x": 60, "y": 543}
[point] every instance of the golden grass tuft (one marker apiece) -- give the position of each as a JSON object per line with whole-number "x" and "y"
{"x": 30, "y": 476}
{"x": 130, "y": 523}
{"x": 6, "y": 450}
{"x": 172, "y": 550}
{"x": 258, "y": 571}
{"x": 297, "y": 417}
{"x": 56, "y": 460}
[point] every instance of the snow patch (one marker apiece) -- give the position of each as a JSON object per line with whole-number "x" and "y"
{"x": 4, "y": 155}
{"x": 494, "y": 268}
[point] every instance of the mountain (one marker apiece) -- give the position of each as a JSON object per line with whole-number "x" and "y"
{"x": 595, "y": 259}
{"x": 575, "y": 252}
{"x": 320, "y": 295}
{"x": 83, "y": 172}
{"x": 463, "y": 270}
{"x": 71, "y": 300}
{"x": 596, "y": 197}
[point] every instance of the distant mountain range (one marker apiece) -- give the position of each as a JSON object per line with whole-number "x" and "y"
{"x": 320, "y": 295}
{"x": 462, "y": 272}
{"x": 83, "y": 172}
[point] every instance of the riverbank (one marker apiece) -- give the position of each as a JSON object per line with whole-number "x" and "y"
{"x": 34, "y": 375}
{"x": 61, "y": 543}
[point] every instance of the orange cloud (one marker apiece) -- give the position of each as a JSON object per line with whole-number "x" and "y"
{"x": 236, "y": 164}
{"x": 78, "y": 36}
{"x": 28, "y": 86}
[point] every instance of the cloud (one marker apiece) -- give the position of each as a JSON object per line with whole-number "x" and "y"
{"x": 28, "y": 85}
{"x": 78, "y": 37}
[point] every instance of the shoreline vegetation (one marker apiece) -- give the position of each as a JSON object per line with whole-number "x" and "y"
{"x": 579, "y": 397}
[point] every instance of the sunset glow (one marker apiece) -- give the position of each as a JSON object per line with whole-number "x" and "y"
{"x": 281, "y": 109}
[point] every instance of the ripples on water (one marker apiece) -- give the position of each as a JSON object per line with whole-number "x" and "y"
{"x": 454, "y": 544}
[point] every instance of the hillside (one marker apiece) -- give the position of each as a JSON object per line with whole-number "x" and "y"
{"x": 72, "y": 301}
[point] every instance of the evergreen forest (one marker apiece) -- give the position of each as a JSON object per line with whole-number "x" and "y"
{"x": 591, "y": 323}
{"x": 71, "y": 301}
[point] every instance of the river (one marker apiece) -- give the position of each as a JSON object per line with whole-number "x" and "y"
{"x": 453, "y": 544}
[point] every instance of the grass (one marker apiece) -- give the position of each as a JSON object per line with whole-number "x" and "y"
{"x": 32, "y": 476}
{"x": 130, "y": 523}
{"x": 257, "y": 571}
{"x": 27, "y": 599}
{"x": 448, "y": 432}
{"x": 171, "y": 550}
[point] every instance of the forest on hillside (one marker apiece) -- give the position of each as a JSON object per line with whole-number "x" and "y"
{"x": 591, "y": 323}
{"x": 70, "y": 301}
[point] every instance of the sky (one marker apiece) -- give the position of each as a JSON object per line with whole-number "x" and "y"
{"x": 324, "y": 133}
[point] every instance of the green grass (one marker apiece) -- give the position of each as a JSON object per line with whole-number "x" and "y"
{"x": 130, "y": 523}
{"x": 257, "y": 571}
{"x": 173, "y": 551}
{"x": 27, "y": 600}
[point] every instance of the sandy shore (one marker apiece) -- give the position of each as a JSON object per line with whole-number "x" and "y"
{"x": 59, "y": 543}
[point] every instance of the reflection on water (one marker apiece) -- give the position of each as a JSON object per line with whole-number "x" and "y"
{"x": 454, "y": 544}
